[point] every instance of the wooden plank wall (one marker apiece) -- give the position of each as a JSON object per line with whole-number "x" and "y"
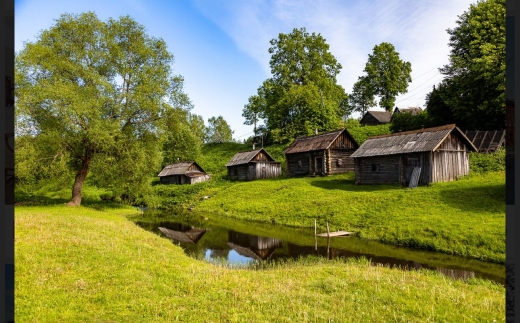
{"x": 242, "y": 172}
{"x": 266, "y": 170}
{"x": 450, "y": 160}
{"x": 389, "y": 172}
{"x": 293, "y": 168}
{"x": 344, "y": 155}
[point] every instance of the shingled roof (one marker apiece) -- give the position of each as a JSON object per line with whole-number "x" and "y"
{"x": 246, "y": 156}
{"x": 180, "y": 169}
{"x": 420, "y": 140}
{"x": 412, "y": 110}
{"x": 380, "y": 116}
{"x": 316, "y": 142}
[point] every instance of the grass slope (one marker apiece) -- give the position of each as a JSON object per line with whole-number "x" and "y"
{"x": 465, "y": 217}
{"x": 93, "y": 265}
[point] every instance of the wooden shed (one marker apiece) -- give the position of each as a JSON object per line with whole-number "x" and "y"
{"x": 487, "y": 141}
{"x": 183, "y": 173}
{"x": 374, "y": 118}
{"x": 253, "y": 164}
{"x": 411, "y": 110}
{"x": 322, "y": 154}
{"x": 441, "y": 153}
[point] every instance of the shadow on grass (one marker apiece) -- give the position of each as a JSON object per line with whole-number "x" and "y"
{"x": 41, "y": 200}
{"x": 486, "y": 198}
{"x": 348, "y": 185}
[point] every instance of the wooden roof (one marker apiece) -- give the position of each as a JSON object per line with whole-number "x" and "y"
{"x": 420, "y": 140}
{"x": 412, "y": 110}
{"x": 190, "y": 236}
{"x": 181, "y": 169}
{"x": 487, "y": 141}
{"x": 380, "y": 116}
{"x": 316, "y": 142}
{"x": 246, "y": 156}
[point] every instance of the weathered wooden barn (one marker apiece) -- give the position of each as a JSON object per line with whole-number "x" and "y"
{"x": 487, "y": 141}
{"x": 374, "y": 118}
{"x": 441, "y": 153}
{"x": 183, "y": 173}
{"x": 322, "y": 154}
{"x": 253, "y": 164}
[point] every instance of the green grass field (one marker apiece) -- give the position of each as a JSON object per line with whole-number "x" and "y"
{"x": 91, "y": 264}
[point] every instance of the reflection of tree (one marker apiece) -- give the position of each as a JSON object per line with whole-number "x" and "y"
{"x": 219, "y": 253}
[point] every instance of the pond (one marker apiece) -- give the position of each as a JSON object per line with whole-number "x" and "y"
{"x": 217, "y": 239}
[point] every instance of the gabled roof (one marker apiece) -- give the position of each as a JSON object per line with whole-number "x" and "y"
{"x": 190, "y": 236}
{"x": 380, "y": 116}
{"x": 180, "y": 169}
{"x": 316, "y": 142}
{"x": 412, "y": 110}
{"x": 420, "y": 140}
{"x": 246, "y": 156}
{"x": 487, "y": 141}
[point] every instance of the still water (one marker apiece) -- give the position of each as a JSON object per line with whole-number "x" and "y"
{"x": 238, "y": 242}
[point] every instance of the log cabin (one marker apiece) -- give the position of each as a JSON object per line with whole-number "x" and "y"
{"x": 322, "y": 154}
{"x": 183, "y": 173}
{"x": 253, "y": 164}
{"x": 441, "y": 153}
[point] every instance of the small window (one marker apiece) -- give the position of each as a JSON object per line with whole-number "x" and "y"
{"x": 300, "y": 164}
{"x": 375, "y": 168}
{"x": 340, "y": 162}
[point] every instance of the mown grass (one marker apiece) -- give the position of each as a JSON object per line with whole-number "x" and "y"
{"x": 465, "y": 217}
{"x": 93, "y": 265}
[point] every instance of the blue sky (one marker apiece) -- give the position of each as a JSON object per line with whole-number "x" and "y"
{"x": 221, "y": 46}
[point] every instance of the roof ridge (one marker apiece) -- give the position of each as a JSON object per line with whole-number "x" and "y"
{"x": 409, "y": 132}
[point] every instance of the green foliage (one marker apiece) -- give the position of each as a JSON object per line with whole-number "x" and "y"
{"x": 362, "y": 96}
{"x": 182, "y": 140}
{"x": 96, "y": 93}
{"x": 218, "y": 130}
{"x": 362, "y": 132}
{"x": 474, "y": 86}
{"x": 387, "y": 76}
{"x": 491, "y": 162}
{"x": 405, "y": 121}
{"x": 302, "y": 95}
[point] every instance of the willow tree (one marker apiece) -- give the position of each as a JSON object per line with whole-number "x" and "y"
{"x": 97, "y": 92}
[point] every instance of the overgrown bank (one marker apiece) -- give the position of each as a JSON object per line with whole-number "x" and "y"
{"x": 88, "y": 265}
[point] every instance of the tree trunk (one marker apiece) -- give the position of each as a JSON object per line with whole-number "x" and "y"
{"x": 81, "y": 175}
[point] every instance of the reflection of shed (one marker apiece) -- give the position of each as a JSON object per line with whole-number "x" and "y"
{"x": 183, "y": 173}
{"x": 327, "y": 153}
{"x": 253, "y": 164}
{"x": 487, "y": 141}
{"x": 440, "y": 154}
{"x": 374, "y": 118}
{"x": 247, "y": 245}
{"x": 181, "y": 232}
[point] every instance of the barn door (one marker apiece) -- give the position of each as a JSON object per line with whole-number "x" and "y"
{"x": 319, "y": 165}
{"x": 411, "y": 161}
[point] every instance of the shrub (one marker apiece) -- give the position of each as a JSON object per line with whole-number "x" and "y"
{"x": 481, "y": 163}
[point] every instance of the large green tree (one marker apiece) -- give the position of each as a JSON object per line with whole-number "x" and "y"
{"x": 473, "y": 90}
{"x": 218, "y": 130}
{"x": 302, "y": 95}
{"x": 97, "y": 93}
{"x": 387, "y": 75}
{"x": 362, "y": 97}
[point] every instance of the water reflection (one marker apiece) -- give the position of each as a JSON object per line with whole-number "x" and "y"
{"x": 222, "y": 244}
{"x": 251, "y": 246}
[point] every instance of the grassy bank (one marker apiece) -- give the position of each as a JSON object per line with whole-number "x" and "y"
{"x": 93, "y": 265}
{"x": 465, "y": 217}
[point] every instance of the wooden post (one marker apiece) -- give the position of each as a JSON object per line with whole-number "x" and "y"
{"x": 328, "y": 234}
{"x": 315, "y": 238}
